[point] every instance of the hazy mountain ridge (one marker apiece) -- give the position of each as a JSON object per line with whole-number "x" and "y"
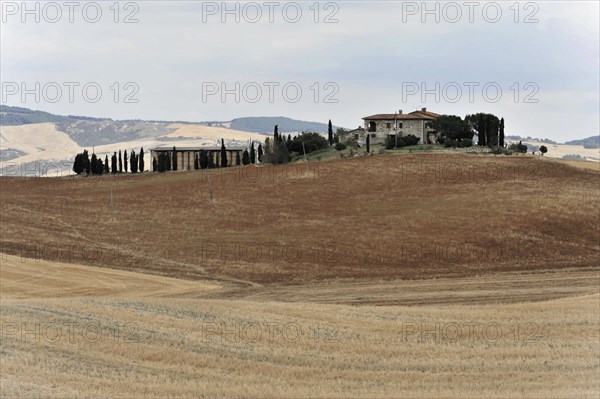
{"x": 89, "y": 131}
{"x": 265, "y": 125}
{"x": 589, "y": 142}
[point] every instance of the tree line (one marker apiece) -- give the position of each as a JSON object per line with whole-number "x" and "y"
{"x": 84, "y": 164}
{"x": 457, "y": 132}
{"x": 280, "y": 149}
{"x": 204, "y": 159}
{"x": 276, "y": 150}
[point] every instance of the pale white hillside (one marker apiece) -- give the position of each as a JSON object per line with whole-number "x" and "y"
{"x": 36, "y": 139}
{"x": 210, "y": 132}
{"x": 44, "y": 147}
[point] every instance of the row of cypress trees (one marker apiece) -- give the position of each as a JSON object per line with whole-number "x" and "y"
{"x": 168, "y": 161}
{"x": 95, "y": 166}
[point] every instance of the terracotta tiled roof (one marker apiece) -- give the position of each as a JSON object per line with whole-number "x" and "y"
{"x": 359, "y": 130}
{"x": 413, "y": 115}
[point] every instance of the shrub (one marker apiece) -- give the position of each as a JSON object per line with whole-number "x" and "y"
{"x": 402, "y": 141}
{"x": 522, "y": 148}
{"x": 312, "y": 142}
{"x": 449, "y": 143}
{"x": 408, "y": 140}
{"x": 390, "y": 142}
{"x": 340, "y": 146}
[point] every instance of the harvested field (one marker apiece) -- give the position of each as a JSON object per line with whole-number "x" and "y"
{"x": 430, "y": 275}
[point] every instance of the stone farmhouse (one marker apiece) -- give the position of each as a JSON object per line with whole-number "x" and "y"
{"x": 186, "y": 156}
{"x": 380, "y": 126}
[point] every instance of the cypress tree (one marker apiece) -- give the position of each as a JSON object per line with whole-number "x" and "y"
{"x": 203, "y": 159}
{"x": 162, "y": 162}
{"x": 85, "y": 160}
{"x": 120, "y": 163}
{"x": 125, "y": 161}
{"x": 252, "y": 154}
{"x": 330, "y": 133}
{"x": 223, "y": 154}
{"x": 480, "y": 131}
{"x": 501, "y": 135}
{"x": 174, "y": 158}
{"x": 276, "y": 133}
{"x": 141, "y": 162}
{"x": 106, "y": 171}
{"x": 133, "y": 161}
{"x": 94, "y": 164}
{"x": 238, "y": 161}
{"x": 368, "y": 142}
{"x": 78, "y": 164}
{"x": 99, "y": 166}
{"x": 211, "y": 160}
{"x": 496, "y": 134}
{"x": 246, "y": 158}
{"x": 260, "y": 152}
{"x": 114, "y": 163}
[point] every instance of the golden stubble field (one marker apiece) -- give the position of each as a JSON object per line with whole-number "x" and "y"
{"x": 396, "y": 276}
{"x": 79, "y": 331}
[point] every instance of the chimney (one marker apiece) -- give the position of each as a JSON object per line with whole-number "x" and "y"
{"x": 424, "y": 109}
{"x": 400, "y": 112}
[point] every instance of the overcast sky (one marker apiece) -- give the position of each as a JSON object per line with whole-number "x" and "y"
{"x": 359, "y": 58}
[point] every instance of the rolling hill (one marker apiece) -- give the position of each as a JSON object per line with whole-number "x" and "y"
{"x": 404, "y": 275}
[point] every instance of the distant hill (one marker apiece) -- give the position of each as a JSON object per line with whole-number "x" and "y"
{"x": 14, "y": 116}
{"x": 265, "y": 125}
{"x": 519, "y": 138}
{"x": 88, "y": 131}
{"x": 590, "y": 142}
{"x": 41, "y": 143}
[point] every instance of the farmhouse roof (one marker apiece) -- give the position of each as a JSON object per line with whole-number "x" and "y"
{"x": 359, "y": 129}
{"x": 422, "y": 114}
{"x": 170, "y": 148}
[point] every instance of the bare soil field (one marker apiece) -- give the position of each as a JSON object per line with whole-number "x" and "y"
{"x": 383, "y": 217}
